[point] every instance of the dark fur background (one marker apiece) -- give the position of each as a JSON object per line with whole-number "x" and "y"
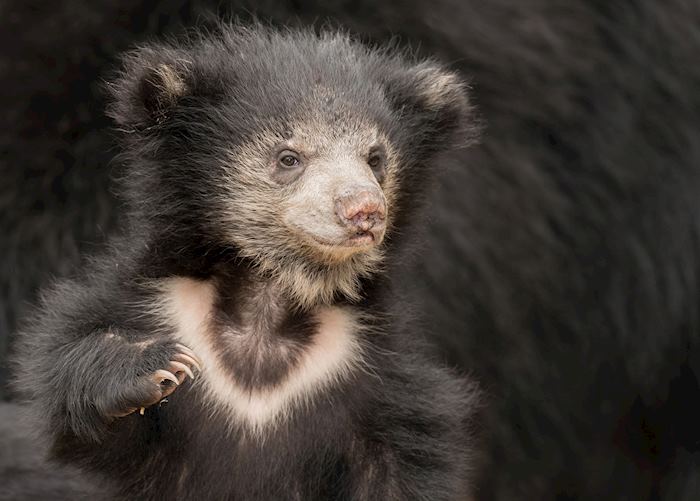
{"x": 564, "y": 257}
{"x": 23, "y": 469}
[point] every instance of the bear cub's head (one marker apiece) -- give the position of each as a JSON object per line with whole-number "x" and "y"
{"x": 302, "y": 152}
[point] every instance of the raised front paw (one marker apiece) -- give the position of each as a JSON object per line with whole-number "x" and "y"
{"x": 152, "y": 388}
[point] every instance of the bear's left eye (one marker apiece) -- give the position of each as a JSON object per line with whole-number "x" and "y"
{"x": 288, "y": 159}
{"x": 375, "y": 161}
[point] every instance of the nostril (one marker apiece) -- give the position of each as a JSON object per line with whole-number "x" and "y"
{"x": 365, "y": 214}
{"x": 362, "y": 209}
{"x": 364, "y": 221}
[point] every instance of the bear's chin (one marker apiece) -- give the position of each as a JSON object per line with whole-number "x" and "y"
{"x": 323, "y": 276}
{"x": 339, "y": 250}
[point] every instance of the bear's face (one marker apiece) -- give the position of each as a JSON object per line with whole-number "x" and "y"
{"x": 301, "y": 151}
{"x": 324, "y": 186}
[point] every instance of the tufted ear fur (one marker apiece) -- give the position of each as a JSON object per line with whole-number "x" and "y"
{"x": 151, "y": 84}
{"x": 434, "y": 104}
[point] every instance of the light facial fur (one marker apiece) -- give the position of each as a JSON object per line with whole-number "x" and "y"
{"x": 291, "y": 230}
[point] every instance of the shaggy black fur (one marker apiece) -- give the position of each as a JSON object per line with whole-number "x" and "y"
{"x": 397, "y": 427}
{"x": 564, "y": 254}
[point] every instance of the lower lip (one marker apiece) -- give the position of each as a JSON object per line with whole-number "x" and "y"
{"x": 361, "y": 239}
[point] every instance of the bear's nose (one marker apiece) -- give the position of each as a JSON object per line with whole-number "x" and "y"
{"x": 362, "y": 209}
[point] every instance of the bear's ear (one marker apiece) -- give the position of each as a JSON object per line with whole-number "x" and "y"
{"x": 434, "y": 103}
{"x": 150, "y": 85}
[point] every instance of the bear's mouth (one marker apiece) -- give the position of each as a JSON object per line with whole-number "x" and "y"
{"x": 361, "y": 238}
{"x": 359, "y": 241}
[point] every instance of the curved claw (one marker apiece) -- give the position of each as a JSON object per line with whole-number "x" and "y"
{"x": 165, "y": 375}
{"x": 187, "y": 351}
{"x": 180, "y": 367}
{"x": 187, "y": 360}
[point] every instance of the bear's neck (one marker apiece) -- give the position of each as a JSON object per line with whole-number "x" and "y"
{"x": 296, "y": 285}
{"x": 255, "y": 329}
{"x": 260, "y": 353}
{"x": 249, "y": 302}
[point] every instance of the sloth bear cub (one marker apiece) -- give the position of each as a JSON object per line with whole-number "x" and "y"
{"x": 240, "y": 338}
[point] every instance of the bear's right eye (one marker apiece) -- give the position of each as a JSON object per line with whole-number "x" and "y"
{"x": 288, "y": 159}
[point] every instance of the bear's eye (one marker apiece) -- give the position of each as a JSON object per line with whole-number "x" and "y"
{"x": 375, "y": 161}
{"x": 288, "y": 159}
